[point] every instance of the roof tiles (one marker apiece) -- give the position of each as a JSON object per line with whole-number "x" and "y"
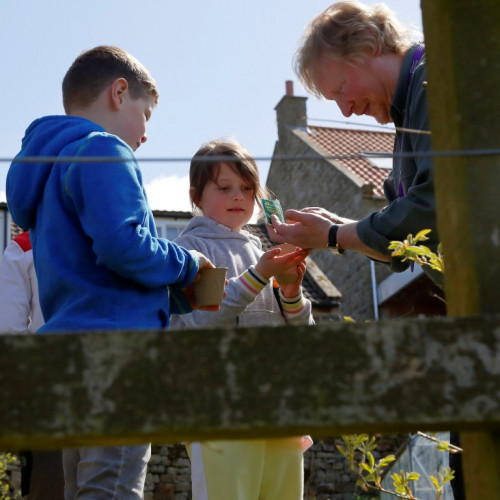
{"x": 338, "y": 141}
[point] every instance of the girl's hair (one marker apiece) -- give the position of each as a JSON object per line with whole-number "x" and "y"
{"x": 205, "y": 167}
{"x": 96, "y": 68}
{"x": 349, "y": 30}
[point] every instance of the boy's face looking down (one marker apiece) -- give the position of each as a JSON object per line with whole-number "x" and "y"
{"x": 131, "y": 116}
{"x": 121, "y": 114}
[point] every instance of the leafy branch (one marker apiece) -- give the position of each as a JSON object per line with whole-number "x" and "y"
{"x": 445, "y": 476}
{"x": 441, "y": 445}
{"x": 412, "y": 249}
{"x": 357, "y": 449}
{"x": 6, "y": 459}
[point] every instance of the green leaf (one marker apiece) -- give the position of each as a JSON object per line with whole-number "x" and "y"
{"x": 366, "y": 467}
{"x": 386, "y": 460}
{"x": 341, "y": 450}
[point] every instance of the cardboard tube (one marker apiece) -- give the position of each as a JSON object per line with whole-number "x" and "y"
{"x": 209, "y": 289}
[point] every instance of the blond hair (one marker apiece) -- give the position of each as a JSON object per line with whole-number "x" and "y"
{"x": 349, "y": 30}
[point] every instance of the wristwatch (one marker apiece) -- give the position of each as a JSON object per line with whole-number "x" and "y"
{"x": 333, "y": 246}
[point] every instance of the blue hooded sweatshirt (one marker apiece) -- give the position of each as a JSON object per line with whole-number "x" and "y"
{"x": 98, "y": 259}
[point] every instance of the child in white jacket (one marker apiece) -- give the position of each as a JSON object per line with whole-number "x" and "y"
{"x": 226, "y": 192}
{"x": 20, "y": 313}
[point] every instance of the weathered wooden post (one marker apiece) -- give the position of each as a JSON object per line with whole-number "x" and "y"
{"x": 463, "y": 56}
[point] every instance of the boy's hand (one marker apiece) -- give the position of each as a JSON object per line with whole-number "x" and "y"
{"x": 189, "y": 294}
{"x": 204, "y": 262}
{"x": 272, "y": 263}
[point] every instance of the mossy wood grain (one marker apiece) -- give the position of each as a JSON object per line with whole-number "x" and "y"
{"x": 463, "y": 62}
{"x": 463, "y": 65}
{"x": 135, "y": 386}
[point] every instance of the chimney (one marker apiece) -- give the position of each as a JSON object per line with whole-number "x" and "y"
{"x": 290, "y": 112}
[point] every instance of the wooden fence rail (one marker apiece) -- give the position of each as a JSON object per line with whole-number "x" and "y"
{"x": 130, "y": 386}
{"x": 105, "y": 388}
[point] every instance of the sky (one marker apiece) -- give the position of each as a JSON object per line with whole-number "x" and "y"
{"x": 220, "y": 65}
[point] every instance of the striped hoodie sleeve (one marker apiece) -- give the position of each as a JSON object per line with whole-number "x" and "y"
{"x": 253, "y": 281}
{"x": 297, "y": 309}
{"x": 240, "y": 291}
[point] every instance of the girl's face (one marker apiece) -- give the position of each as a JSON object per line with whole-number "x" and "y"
{"x": 229, "y": 200}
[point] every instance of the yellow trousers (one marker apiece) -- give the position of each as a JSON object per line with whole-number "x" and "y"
{"x": 260, "y": 469}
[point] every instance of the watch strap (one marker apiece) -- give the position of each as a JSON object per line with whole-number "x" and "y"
{"x": 332, "y": 240}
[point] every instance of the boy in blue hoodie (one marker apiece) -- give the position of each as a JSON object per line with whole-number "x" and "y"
{"x": 98, "y": 259}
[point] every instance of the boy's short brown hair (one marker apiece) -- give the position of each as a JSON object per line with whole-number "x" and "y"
{"x": 96, "y": 68}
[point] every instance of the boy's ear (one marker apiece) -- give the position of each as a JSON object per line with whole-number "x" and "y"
{"x": 116, "y": 92}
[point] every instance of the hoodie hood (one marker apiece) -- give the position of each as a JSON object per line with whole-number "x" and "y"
{"x": 204, "y": 227}
{"x": 46, "y": 137}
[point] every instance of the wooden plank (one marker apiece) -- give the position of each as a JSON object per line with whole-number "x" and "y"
{"x": 463, "y": 63}
{"x": 136, "y": 386}
{"x": 463, "y": 54}
{"x": 481, "y": 458}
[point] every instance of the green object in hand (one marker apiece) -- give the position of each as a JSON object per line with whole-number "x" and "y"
{"x": 272, "y": 207}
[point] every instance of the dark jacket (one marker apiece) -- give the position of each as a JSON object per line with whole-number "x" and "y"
{"x": 409, "y": 188}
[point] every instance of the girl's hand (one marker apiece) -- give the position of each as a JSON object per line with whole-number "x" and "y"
{"x": 291, "y": 290}
{"x": 272, "y": 263}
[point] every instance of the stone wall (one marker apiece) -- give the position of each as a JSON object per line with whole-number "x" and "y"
{"x": 169, "y": 474}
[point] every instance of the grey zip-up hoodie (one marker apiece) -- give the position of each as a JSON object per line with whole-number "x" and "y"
{"x": 237, "y": 251}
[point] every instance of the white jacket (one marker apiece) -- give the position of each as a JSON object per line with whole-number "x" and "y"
{"x": 19, "y": 306}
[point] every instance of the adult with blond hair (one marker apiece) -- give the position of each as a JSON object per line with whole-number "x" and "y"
{"x": 363, "y": 58}
{"x": 366, "y": 61}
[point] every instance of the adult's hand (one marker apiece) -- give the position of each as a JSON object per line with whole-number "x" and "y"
{"x": 306, "y": 230}
{"x": 334, "y": 218}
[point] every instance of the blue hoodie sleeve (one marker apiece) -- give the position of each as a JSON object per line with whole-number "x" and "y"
{"x": 111, "y": 205}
